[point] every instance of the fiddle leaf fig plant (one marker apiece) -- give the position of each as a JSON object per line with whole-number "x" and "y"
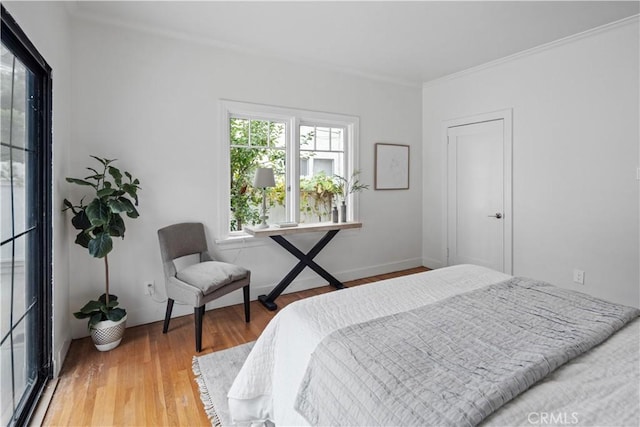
{"x": 97, "y": 311}
{"x": 114, "y": 194}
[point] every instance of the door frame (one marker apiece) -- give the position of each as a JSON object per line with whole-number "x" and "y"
{"x": 506, "y": 116}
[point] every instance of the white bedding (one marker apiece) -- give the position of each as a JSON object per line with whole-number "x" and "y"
{"x": 600, "y": 387}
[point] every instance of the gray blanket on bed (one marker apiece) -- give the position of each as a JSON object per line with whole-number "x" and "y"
{"x": 453, "y": 362}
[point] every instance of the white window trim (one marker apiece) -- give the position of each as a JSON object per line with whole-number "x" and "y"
{"x": 292, "y": 117}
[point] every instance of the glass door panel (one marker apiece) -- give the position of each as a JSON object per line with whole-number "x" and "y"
{"x": 25, "y": 217}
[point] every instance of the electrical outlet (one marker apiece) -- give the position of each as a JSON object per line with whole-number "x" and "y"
{"x": 149, "y": 287}
{"x": 578, "y": 276}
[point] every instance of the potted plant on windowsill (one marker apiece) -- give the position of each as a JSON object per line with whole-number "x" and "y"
{"x": 347, "y": 186}
{"x": 115, "y": 194}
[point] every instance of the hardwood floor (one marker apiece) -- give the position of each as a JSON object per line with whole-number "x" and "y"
{"x": 147, "y": 380}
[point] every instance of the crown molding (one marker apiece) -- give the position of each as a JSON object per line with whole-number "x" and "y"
{"x": 534, "y": 50}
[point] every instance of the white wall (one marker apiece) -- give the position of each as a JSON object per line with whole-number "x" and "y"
{"x": 47, "y": 26}
{"x": 153, "y": 103}
{"x": 575, "y": 154}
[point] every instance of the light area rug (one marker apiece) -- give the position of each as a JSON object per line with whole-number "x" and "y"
{"x": 214, "y": 374}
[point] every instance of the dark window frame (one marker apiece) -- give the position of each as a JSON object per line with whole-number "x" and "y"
{"x": 17, "y": 41}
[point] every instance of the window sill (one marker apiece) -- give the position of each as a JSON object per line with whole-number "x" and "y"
{"x": 239, "y": 241}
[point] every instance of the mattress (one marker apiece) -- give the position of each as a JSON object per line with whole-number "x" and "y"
{"x": 598, "y": 388}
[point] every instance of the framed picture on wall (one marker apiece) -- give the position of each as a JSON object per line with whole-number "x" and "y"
{"x": 391, "y": 167}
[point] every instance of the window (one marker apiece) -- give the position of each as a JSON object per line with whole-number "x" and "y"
{"x": 25, "y": 249}
{"x": 307, "y": 151}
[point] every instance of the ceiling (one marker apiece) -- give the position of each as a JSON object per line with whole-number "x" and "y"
{"x": 405, "y": 42}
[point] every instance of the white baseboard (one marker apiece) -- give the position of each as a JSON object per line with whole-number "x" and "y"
{"x": 344, "y": 276}
{"x": 432, "y": 263}
{"x": 59, "y": 357}
{"x": 154, "y": 314}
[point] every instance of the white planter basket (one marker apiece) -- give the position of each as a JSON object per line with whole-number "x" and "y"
{"x": 107, "y": 335}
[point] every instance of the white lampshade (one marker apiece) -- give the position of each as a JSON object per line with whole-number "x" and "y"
{"x": 264, "y": 178}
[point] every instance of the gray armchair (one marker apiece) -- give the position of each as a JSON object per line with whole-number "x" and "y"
{"x": 199, "y": 283}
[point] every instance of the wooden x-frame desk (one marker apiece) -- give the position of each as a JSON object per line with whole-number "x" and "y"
{"x": 306, "y": 260}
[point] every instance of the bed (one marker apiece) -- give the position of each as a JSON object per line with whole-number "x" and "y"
{"x": 599, "y": 387}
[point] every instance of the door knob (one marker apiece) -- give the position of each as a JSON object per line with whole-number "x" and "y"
{"x": 497, "y": 215}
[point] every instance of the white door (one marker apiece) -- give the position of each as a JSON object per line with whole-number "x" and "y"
{"x": 476, "y": 195}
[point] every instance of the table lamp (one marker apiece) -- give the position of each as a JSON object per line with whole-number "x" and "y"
{"x": 264, "y": 179}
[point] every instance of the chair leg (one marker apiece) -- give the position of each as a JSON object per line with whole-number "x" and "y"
{"x": 198, "y": 313}
{"x": 247, "y": 301}
{"x": 167, "y": 316}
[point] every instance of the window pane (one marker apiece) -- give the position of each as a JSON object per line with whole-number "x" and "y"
{"x": 276, "y": 196}
{"x": 322, "y": 139}
{"x": 324, "y": 166}
{"x": 5, "y": 195}
{"x": 13, "y": 171}
{"x": 14, "y": 88}
{"x": 5, "y": 290}
{"x": 307, "y": 135}
{"x": 6, "y": 389}
{"x": 23, "y": 294}
{"x": 278, "y": 136}
{"x": 337, "y": 139}
{"x": 245, "y": 200}
{"x": 239, "y": 131}
{"x": 259, "y": 133}
{"x": 322, "y": 161}
{"x": 27, "y": 168}
{"x": 317, "y": 196}
{"x": 22, "y": 216}
{"x": 338, "y": 164}
{"x": 19, "y": 119}
{"x": 22, "y": 369}
{"x": 6, "y": 81}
